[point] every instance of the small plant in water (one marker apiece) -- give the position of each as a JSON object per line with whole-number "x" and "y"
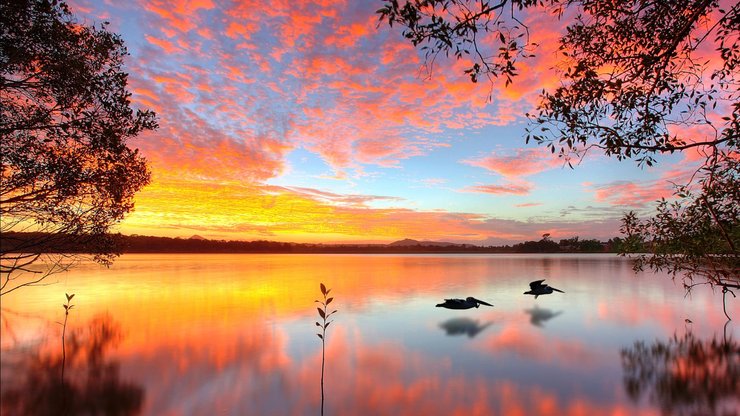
{"x": 67, "y": 307}
{"x": 324, "y": 314}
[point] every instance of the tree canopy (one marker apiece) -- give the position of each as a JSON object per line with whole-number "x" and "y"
{"x": 65, "y": 119}
{"x": 637, "y": 79}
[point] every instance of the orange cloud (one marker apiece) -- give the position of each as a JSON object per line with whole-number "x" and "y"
{"x": 168, "y": 46}
{"x": 180, "y": 14}
{"x": 242, "y": 30}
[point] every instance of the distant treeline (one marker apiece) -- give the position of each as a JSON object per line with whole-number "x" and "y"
{"x": 149, "y": 244}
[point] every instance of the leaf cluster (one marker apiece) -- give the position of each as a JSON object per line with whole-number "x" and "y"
{"x": 634, "y": 72}
{"x": 323, "y": 312}
{"x": 458, "y": 28}
{"x": 67, "y": 306}
{"x": 696, "y": 236}
{"x": 630, "y": 69}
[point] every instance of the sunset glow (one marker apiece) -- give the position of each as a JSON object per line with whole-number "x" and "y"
{"x": 306, "y": 122}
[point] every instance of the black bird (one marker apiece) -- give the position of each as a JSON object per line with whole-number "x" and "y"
{"x": 467, "y": 303}
{"x": 537, "y": 288}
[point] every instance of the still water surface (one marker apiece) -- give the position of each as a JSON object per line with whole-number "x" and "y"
{"x": 235, "y": 335}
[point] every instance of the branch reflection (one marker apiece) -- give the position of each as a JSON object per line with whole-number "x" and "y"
{"x": 463, "y": 326}
{"x": 91, "y": 384}
{"x": 685, "y": 375}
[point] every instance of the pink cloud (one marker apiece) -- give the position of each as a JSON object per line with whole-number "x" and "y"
{"x": 637, "y": 194}
{"x": 524, "y": 162}
{"x": 631, "y": 193}
{"x": 513, "y": 189}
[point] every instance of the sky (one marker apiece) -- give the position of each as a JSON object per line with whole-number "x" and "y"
{"x": 308, "y": 122}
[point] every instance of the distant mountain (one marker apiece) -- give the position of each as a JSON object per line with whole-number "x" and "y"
{"x": 197, "y": 237}
{"x": 407, "y": 242}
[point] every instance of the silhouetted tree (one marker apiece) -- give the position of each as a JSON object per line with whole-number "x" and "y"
{"x": 65, "y": 118}
{"x": 590, "y": 246}
{"x": 546, "y": 245}
{"x": 638, "y": 79}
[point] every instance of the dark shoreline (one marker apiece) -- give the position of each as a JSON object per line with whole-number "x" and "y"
{"x": 149, "y": 244}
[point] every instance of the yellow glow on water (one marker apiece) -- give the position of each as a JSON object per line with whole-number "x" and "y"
{"x": 167, "y": 296}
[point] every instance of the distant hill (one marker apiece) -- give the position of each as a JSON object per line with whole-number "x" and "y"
{"x": 197, "y": 237}
{"x": 407, "y": 242}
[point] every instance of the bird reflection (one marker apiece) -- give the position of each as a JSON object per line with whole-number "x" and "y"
{"x": 463, "y": 326}
{"x": 538, "y": 316}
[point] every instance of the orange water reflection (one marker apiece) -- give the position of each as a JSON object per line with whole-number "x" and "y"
{"x": 77, "y": 379}
{"x": 234, "y": 334}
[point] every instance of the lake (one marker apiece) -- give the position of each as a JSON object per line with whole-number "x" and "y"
{"x": 236, "y": 335}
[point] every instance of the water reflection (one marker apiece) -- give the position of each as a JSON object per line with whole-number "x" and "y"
{"x": 82, "y": 381}
{"x": 685, "y": 375}
{"x": 234, "y": 334}
{"x": 537, "y": 315}
{"x": 464, "y": 326}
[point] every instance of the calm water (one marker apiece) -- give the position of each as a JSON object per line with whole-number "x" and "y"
{"x": 235, "y": 335}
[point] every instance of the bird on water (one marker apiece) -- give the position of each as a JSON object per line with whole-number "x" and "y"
{"x": 537, "y": 288}
{"x": 467, "y": 303}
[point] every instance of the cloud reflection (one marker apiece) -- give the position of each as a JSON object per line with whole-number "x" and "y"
{"x": 234, "y": 334}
